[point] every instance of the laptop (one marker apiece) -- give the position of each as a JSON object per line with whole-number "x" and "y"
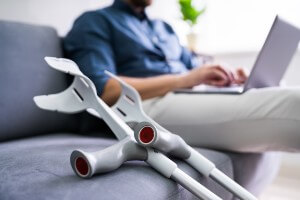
{"x": 271, "y": 63}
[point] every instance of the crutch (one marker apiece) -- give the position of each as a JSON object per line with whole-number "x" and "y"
{"x": 82, "y": 95}
{"x": 148, "y": 133}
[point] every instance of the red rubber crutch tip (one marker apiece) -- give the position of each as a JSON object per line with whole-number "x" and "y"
{"x": 82, "y": 166}
{"x": 146, "y": 134}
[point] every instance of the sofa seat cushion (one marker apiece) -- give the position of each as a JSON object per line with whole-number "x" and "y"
{"x": 39, "y": 168}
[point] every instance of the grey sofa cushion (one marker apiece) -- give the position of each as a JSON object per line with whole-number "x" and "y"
{"x": 24, "y": 74}
{"x": 39, "y": 168}
{"x": 255, "y": 171}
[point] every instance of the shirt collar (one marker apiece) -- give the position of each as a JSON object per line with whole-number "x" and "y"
{"x": 121, "y": 5}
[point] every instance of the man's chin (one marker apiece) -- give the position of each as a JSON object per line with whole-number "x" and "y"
{"x": 141, "y": 3}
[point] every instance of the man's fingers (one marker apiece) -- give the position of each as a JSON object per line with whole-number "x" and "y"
{"x": 227, "y": 72}
{"x": 238, "y": 77}
{"x": 222, "y": 76}
{"x": 219, "y": 78}
{"x": 220, "y": 83}
{"x": 241, "y": 75}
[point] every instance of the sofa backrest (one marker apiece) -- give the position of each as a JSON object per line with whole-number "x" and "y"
{"x": 23, "y": 75}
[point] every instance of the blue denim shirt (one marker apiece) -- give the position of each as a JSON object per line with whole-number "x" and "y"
{"x": 126, "y": 43}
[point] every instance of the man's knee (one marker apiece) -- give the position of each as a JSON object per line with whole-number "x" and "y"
{"x": 293, "y": 97}
{"x": 290, "y": 105}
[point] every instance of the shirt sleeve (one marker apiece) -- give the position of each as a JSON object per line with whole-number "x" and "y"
{"x": 190, "y": 59}
{"x": 89, "y": 45}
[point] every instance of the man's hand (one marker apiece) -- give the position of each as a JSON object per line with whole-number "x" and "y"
{"x": 160, "y": 85}
{"x": 241, "y": 75}
{"x": 215, "y": 75}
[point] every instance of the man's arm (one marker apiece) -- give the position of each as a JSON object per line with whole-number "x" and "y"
{"x": 147, "y": 87}
{"x": 160, "y": 85}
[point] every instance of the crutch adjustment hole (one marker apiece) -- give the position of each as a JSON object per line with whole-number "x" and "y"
{"x": 82, "y": 166}
{"x": 146, "y": 134}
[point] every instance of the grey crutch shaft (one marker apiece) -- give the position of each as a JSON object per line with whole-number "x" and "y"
{"x": 148, "y": 135}
{"x": 169, "y": 169}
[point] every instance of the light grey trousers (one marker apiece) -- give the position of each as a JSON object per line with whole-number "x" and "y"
{"x": 257, "y": 121}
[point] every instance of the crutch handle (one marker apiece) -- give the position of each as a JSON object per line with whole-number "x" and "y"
{"x": 86, "y": 164}
{"x": 146, "y": 134}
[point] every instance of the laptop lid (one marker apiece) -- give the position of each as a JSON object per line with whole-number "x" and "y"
{"x": 275, "y": 55}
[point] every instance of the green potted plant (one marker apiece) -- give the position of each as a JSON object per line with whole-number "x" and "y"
{"x": 190, "y": 14}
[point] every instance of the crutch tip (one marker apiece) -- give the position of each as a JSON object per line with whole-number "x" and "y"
{"x": 80, "y": 164}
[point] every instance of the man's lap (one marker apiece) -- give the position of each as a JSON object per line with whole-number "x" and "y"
{"x": 258, "y": 120}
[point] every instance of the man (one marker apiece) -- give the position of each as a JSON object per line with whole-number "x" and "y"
{"x": 147, "y": 55}
{"x": 123, "y": 40}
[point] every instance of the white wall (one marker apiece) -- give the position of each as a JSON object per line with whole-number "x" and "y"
{"x": 228, "y": 25}
{"x": 57, "y": 13}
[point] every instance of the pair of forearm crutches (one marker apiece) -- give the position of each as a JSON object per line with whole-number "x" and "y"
{"x": 140, "y": 138}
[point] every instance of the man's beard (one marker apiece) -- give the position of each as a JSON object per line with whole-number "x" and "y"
{"x": 141, "y": 3}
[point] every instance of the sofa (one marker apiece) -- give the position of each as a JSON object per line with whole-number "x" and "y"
{"x": 35, "y": 145}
